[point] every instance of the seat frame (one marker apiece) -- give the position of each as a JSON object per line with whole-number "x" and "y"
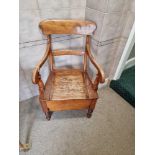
{"x": 48, "y": 28}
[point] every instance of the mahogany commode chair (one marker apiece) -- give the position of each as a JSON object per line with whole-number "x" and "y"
{"x": 67, "y": 89}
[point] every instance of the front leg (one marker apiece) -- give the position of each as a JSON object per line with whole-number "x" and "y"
{"x": 48, "y": 115}
{"x": 89, "y": 114}
{"x": 41, "y": 98}
{"x": 91, "y": 108}
{"x": 45, "y": 109}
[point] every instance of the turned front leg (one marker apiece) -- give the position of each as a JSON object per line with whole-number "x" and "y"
{"x": 41, "y": 98}
{"x": 91, "y": 108}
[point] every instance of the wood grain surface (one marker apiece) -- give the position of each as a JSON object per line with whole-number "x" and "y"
{"x": 67, "y": 89}
{"x": 67, "y": 27}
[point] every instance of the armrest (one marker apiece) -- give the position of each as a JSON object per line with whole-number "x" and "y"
{"x": 35, "y": 74}
{"x": 93, "y": 61}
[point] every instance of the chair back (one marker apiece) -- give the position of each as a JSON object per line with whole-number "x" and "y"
{"x": 79, "y": 27}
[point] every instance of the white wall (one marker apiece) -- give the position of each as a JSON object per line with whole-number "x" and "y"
{"x": 114, "y": 20}
{"x": 32, "y": 42}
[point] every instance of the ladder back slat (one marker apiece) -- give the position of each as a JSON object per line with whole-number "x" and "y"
{"x": 67, "y": 52}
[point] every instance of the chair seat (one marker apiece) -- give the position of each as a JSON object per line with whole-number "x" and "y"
{"x": 68, "y": 84}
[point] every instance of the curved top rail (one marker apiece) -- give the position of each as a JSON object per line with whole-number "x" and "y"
{"x": 67, "y": 27}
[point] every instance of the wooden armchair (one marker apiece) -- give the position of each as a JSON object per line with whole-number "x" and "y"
{"x": 67, "y": 89}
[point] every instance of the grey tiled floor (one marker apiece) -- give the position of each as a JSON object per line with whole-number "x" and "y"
{"x": 110, "y": 131}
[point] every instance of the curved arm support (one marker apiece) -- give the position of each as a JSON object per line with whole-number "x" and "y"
{"x": 35, "y": 74}
{"x": 100, "y": 76}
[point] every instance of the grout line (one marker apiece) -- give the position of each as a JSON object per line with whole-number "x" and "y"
{"x": 98, "y": 43}
{"x": 37, "y": 4}
{"x": 41, "y": 39}
{"x": 102, "y": 28}
{"x": 113, "y": 12}
{"x": 31, "y": 41}
{"x": 110, "y": 43}
{"x": 32, "y": 45}
{"x": 107, "y": 6}
{"x": 52, "y": 42}
{"x": 48, "y": 9}
{"x": 106, "y": 42}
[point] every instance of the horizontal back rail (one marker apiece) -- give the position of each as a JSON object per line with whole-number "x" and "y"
{"x": 67, "y": 27}
{"x": 67, "y": 52}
